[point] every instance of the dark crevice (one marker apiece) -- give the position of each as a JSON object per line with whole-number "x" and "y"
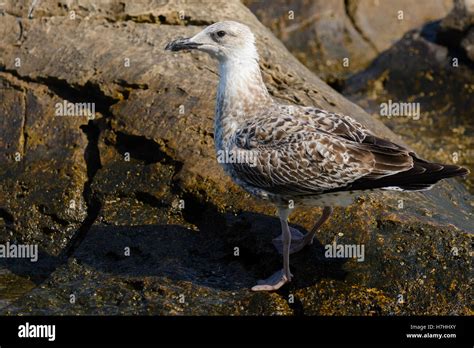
{"x": 350, "y": 7}
{"x": 141, "y": 148}
{"x": 430, "y": 31}
{"x": 337, "y": 84}
{"x": 126, "y": 84}
{"x": 89, "y": 92}
{"x": 21, "y": 36}
{"x": 93, "y": 202}
{"x": 7, "y": 217}
{"x": 91, "y": 154}
{"x": 74, "y": 93}
{"x": 161, "y": 19}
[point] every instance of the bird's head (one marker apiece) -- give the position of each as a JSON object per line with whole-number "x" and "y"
{"x": 222, "y": 40}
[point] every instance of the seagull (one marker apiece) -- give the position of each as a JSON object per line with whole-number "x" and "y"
{"x": 296, "y": 155}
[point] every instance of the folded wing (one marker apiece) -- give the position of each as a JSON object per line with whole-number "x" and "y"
{"x": 308, "y": 154}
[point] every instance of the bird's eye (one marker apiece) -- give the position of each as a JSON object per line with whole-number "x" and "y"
{"x": 221, "y": 33}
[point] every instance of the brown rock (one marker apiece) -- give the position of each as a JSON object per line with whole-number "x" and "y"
{"x": 321, "y": 34}
{"x": 456, "y": 29}
{"x": 382, "y": 23}
{"x": 43, "y": 170}
{"x": 461, "y": 17}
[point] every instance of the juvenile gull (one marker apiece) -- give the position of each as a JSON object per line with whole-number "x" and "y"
{"x": 301, "y": 156}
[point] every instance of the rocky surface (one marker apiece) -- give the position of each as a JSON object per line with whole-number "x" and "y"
{"x": 385, "y": 22}
{"x": 156, "y": 227}
{"x": 456, "y": 29}
{"x": 322, "y": 34}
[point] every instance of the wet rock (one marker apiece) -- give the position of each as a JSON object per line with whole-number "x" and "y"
{"x": 166, "y": 272}
{"x": 43, "y": 170}
{"x": 160, "y": 222}
{"x": 409, "y": 268}
{"x": 134, "y": 182}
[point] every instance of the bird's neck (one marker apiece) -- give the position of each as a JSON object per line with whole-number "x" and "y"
{"x": 241, "y": 93}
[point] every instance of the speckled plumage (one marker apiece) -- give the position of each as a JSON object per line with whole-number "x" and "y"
{"x": 304, "y": 153}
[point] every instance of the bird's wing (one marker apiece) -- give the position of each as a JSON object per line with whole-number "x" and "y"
{"x": 300, "y": 153}
{"x": 337, "y": 124}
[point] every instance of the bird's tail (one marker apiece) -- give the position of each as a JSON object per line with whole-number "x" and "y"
{"x": 423, "y": 175}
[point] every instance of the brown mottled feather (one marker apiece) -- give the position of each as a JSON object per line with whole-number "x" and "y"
{"x": 309, "y": 151}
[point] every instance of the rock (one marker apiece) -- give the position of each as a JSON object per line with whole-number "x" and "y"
{"x": 456, "y": 28}
{"x": 150, "y": 281}
{"x": 461, "y": 17}
{"x": 468, "y": 44}
{"x": 385, "y": 22}
{"x": 197, "y": 273}
{"x": 43, "y": 171}
{"x": 163, "y": 230}
{"x": 321, "y": 34}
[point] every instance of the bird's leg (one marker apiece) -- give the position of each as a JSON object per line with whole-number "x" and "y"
{"x": 308, "y": 238}
{"x": 280, "y": 278}
{"x": 286, "y": 248}
{"x": 299, "y": 240}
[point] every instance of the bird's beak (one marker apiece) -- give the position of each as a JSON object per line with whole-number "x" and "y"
{"x": 182, "y": 44}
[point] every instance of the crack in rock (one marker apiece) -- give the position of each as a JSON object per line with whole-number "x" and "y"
{"x": 350, "y": 7}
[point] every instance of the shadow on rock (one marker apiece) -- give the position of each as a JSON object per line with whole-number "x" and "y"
{"x": 228, "y": 259}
